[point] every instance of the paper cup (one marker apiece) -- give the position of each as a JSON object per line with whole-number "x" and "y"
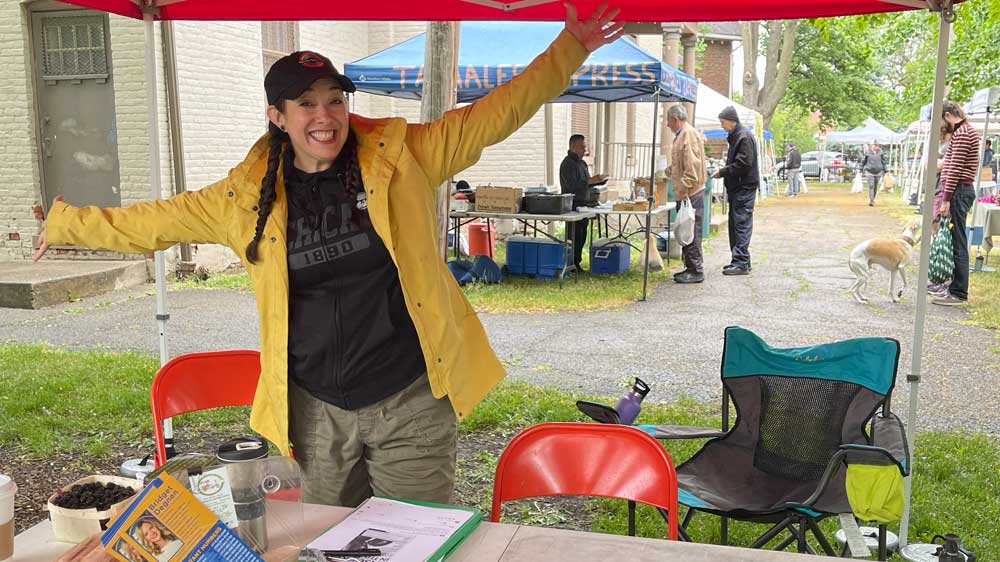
{"x": 7, "y": 491}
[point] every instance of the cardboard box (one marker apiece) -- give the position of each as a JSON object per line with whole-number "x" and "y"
{"x": 640, "y": 205}
{"x": 986, "y": 174}
{"x": 498, "y": 199}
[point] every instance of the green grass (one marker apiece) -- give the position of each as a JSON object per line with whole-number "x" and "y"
{"x": 239, "y": 281}
{"x": 515, "y": 294}
{"x": 984, "y": 304}
{"x": 55, "y": 400}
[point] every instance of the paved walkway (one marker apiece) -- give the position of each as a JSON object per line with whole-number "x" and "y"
{"x": 796, "y": 295}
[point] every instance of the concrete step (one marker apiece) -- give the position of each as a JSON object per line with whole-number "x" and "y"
{"x": 24, "y": 284}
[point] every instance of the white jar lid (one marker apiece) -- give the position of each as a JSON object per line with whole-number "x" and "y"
{"x": 7, "y": 485}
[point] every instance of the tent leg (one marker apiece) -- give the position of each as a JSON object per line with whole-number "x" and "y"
{"x": 155, "y": 193}
{"x": 649, "y": 207}
{"x": 946, "y": 15}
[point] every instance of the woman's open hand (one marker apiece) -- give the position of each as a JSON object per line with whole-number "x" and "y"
{"x": 43, "y": 244}
{"x": 597, "y": 30}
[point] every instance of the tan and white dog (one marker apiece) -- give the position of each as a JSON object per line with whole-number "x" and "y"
{"x": 893, "y": 255}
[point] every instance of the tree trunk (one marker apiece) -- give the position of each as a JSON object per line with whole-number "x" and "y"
{"x": 750, "y": 34}
{"x": 440, "y": 59}
{"x": 763, "y": 96}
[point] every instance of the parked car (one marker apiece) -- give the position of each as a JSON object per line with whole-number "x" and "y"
{"x": 836, "y": 164}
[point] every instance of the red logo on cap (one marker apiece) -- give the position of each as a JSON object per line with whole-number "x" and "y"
{"x": 310, "y": 59}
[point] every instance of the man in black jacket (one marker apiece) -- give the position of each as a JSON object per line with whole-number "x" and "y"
{"x": 741, "y": 175}
{"x": 793, "y": 165}
{"x": 874, "y": 167}
{"x": 574, "y": 177}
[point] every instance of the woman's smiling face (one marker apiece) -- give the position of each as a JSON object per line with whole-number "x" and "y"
{"x": 151, "y": 533}
{"x": 316, "y": 123}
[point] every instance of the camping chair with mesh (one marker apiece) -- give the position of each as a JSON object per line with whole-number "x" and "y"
{"x": 585, "y": 459}
{"x": 813, "y": 437}
{"x": 198, "y": 381}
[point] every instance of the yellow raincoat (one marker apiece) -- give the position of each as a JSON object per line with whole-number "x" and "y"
{"x": 401, "y": 165}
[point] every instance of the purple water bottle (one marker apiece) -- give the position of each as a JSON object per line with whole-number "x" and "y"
{"x": 630, "y": 404}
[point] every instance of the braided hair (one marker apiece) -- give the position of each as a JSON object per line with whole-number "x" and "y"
{"x": 278, "y": 144}
{"x": 280, "y": 150}
{"x": 353, "y": 183}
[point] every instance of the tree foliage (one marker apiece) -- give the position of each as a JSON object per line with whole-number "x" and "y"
{"x": 835, "y": 72}
{"x": 793, "y": 124}
{"x": 882, "y": 65}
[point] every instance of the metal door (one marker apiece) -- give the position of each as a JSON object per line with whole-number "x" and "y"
{"x": 76, "y": 107}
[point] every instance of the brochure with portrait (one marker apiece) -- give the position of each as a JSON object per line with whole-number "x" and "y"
{"x": 399, "y": 530}
{"x": 167, "y": 523}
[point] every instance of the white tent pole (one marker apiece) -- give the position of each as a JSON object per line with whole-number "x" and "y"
{"x": 946, "y": 16}
{"x": 154, "y": 188}
{"x": 982, "y": 147}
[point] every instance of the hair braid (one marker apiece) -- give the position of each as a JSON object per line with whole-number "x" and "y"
{"x": 276, "y": 145}
{"x": 353, "y": 183}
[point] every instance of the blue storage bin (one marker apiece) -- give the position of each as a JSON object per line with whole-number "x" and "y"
{"x": 610, "y": 259}
{"x": 535, "y": 257}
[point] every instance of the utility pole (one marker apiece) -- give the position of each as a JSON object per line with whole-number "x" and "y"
{"x": 440, "y": 69}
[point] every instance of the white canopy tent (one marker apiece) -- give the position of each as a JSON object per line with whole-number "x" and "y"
{"x": 711, "y": 103}
{"x": 871, "y": 131}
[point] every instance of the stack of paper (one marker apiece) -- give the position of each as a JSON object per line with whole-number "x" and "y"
{"x": 404, "y": 530}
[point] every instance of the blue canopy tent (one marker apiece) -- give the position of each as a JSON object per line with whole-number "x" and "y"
{"x": 618, "y": 72}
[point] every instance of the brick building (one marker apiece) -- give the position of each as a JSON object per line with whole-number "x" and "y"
{"x": 74, "y": 117}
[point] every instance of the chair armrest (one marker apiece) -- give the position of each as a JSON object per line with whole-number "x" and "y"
{"x": 871, "y": 454}
{"x": 889, "y": 434}
{"x": 686, "y": 432}
{"x": 850, "y": 454}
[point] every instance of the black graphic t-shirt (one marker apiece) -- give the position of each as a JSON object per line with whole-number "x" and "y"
{"x": 351, "y": 341}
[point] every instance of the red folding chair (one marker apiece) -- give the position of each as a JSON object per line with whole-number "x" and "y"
{"x": 198, "y": 381}
{"x": 586, "y": 459}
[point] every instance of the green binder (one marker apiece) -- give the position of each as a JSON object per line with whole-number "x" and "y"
{"x": 458, "y": 536}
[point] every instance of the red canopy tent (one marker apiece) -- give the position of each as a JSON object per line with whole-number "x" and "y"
{"x": 529, "y": 10}
{"x": 548, "y": 10}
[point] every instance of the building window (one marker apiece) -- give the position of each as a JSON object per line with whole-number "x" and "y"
{"x": 580, "y": 119}
{"x": 73, "y": 47}
{"x": 278, "y": 38}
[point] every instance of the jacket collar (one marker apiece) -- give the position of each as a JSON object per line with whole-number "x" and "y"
{"x": 381, "y": 138}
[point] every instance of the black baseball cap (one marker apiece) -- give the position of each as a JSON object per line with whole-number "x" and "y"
{"x": 293, "y": 74}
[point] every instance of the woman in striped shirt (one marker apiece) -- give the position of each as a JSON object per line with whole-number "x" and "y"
{"x": 957, "y": 177}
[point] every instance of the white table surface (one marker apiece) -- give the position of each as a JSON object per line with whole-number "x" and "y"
{"x": 566, "y": 217}
{"x": 670, "y": 206}
{"x": 498, "y": 542}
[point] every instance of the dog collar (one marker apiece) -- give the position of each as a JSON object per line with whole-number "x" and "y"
{"x": 909, "y": 240}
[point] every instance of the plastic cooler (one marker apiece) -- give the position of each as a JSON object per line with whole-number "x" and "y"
{"x": 536, "y": 257}
{"x": 609, "y": 258}
{"x": 481, "y": 239}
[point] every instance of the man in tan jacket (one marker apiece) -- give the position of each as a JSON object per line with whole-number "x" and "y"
{"x": 688, "y": 173}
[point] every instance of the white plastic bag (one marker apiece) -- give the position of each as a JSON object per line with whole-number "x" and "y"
{"x": 859, "y": 183}
{"x": 684, "y": 229}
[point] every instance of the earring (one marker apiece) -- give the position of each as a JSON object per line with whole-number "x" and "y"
{"x": 282, "y": 127}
